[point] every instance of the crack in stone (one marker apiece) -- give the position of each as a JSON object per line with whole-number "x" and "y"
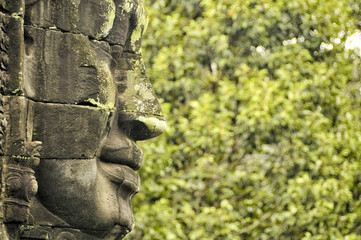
{"x": 56, "y": 29}
{"x": 87, "y": 105}
{"x": 70, "y": 104}
{"x": 89, "y": 37}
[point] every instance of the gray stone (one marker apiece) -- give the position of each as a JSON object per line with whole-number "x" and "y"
{"x": 11, "y": 54}
{"x": 68, "y": 131}
{"x": 69, "y": 188}
{"x": 74, "y": 99}
{"x": 92, "y": 18}
{"x": 14, "y": 6}
{"x": 16, "y": 122}
{"x": 57, "y": 63}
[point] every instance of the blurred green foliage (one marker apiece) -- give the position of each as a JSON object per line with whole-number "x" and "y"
{"x": 263, "y": 105}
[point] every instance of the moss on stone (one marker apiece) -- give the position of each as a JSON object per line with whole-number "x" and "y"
{"x": 127, "y": 5}
{"x": 108, "y": 24}
{"x": 74, "y": 18}
{"x": 18, "y": 92}
{"x": 108, "y": 107}
{"x": 154, "y": 124}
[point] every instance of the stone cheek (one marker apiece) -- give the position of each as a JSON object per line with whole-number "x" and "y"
{"x": 57, "y": 63}
{"x": 68, "y": 131}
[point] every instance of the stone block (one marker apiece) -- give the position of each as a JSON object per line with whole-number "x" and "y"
{"x": 119, "y": 33}
{"x": 67, "y": 68}
{"x": 68, "y": 131}
{"x": 92, "y": 18}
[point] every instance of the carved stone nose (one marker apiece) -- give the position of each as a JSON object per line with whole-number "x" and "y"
{"x": 139, "y": 113}
{"x": 141, "y": 126}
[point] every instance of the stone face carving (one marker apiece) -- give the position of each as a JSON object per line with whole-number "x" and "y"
{"x": 74, "y": 99}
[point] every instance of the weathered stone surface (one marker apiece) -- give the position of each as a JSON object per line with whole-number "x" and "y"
{"x": 106, "y": 19}
{"x": 138, "y": 107}
{"x": 73, "y": 80}
{"x": 20, "y": 187}
{"x": 14, "y": 6}
{"x": 92, "y": 18}
{"x": 135, "y": 91}
{"x": 68, "y": 131}
{"x": 11, "y": 53}
{"x": 21, "y": 157}
{"x": 67, "y": 188}
{"x": 67, "y": 68}
{"x": 137, "y": 28}
{"x": 3, "y": 232}
{"x": 119, "y": 33}
{"x": 15, "y": 109}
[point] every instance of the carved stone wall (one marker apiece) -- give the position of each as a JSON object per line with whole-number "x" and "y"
{"x": 74, "y": 99}
{"x": 19, "y": 155}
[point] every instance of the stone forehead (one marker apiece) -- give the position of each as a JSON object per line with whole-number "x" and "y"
{"x": 97, "y": 19}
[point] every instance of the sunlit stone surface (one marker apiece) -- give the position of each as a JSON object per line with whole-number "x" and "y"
{"x": 75, "y": 98}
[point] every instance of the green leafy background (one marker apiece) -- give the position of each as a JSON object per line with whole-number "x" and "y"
{"x": 263, "y": 104}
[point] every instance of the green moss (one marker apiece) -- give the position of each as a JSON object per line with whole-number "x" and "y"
{"x": 153, "y": 123}
{"x": 107, "y": 107}
{"x": 105, "y": 83}
{"x": 138, "y": 31}
{"x": 136, "y": 36}
{"x": 18, "y": 92}
{"x": 127, "y": 5}
{"x": 23, "y": 228}
{"x": 17, "y": 15}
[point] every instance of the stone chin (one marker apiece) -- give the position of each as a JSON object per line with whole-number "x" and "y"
{"x": 82, "y": 195}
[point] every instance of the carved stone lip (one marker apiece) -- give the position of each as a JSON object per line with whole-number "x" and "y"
{"x": 122, "y": 175}
{"x": 131, "y": 156}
